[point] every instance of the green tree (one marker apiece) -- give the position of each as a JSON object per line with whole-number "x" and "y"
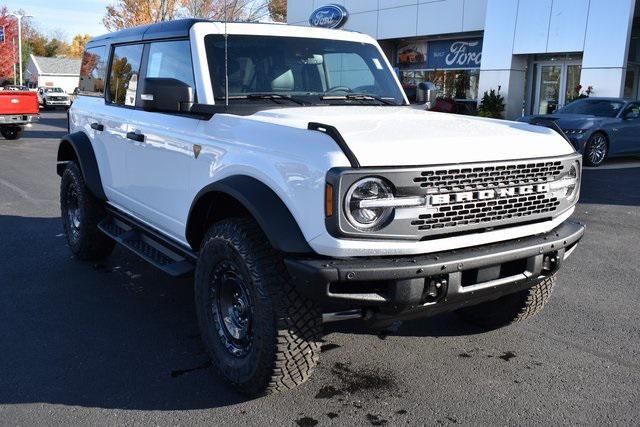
{"x": 55, "y": 47}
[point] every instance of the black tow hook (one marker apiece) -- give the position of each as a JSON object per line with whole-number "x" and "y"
{"x": 436, "y": 289}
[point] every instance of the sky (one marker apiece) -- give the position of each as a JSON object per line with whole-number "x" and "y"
{"x": 71, "y": 17}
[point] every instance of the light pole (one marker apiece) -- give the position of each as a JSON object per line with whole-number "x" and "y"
{"x": 19, "y": 18}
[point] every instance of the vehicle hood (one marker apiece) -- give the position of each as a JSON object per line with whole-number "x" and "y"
{"x": 574, "y": 121}
{"x": 404, "y": 136}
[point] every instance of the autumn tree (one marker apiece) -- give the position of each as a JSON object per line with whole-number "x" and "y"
{"x": 236, "y": 10}
{"x": 197, "y": 9}
{"x": 278, "y": 10}
{"x": 131, "y": 13}
{"x": 8, "y": 48}
{"x": 56, "y": 45}
{"x": 76, "y": 49}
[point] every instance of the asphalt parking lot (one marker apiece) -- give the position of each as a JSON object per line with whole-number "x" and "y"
{"x": 117, "y": 342}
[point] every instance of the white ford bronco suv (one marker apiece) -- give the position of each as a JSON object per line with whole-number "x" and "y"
{"x": 283, "y": 167}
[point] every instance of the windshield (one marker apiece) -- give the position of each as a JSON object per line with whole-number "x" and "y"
{"x": 310, "y": 69}
{"x": 54, "y": 90}
{"x": 594, "y": 107}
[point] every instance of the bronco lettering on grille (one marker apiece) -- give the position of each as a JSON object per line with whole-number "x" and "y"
{"x": 472, "y": 196}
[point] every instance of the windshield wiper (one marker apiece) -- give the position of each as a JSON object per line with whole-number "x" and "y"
{"x": 275, "y": 97}
{"x": 359, "y": 97}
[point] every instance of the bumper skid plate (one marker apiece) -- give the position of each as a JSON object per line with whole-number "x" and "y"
{"x": 441, "y": 282}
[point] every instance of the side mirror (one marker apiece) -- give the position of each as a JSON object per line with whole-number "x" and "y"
{"x": 166, "y": 95}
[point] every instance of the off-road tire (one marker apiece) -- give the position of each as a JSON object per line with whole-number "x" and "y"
{"x": 511, "y": 308}
{"x": 11, "y": 132}
{"x": 86, "y": 240}
{"x": 286, "y": 327}
{"x": 596, "y": 141}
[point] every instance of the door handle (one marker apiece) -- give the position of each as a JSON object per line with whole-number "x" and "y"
{"x": 135, "y": 136}
{"x": 97, "y": 126}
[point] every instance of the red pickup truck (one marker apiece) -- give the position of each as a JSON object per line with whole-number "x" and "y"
{"x": 17, "y": 109}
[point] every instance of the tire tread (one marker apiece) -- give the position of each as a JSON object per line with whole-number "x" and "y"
{"x": 298, "y": 323}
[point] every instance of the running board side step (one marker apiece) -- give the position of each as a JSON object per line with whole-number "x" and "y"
{"x": 149, "y": 246}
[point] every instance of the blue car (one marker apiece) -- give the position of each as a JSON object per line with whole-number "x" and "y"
{"x": 599, "y": 128}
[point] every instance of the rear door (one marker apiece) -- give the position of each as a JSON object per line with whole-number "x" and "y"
{"x": 88, "y": 115}
{"x": 116, "y": 115}
{"x": 158, "y": 164}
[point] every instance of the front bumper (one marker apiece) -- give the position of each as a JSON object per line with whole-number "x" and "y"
{"x": 435, "y": 282}
{"x": 65, "y": 103}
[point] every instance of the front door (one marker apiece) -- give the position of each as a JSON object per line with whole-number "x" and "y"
{"x": 158, "y": 164}
{"x": 549, "y": 90}
{"x": 628, "y": 131}
{"x": 557, "y": 84}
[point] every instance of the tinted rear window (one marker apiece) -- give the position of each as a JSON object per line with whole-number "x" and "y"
{"x": 93, "y": 71}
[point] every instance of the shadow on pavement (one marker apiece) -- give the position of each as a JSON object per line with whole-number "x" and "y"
{"x": 615, "y": 183}
{"x": 441, "y": 325}
{"x": 57, "y": 120}
{"x": 116, "y": 334}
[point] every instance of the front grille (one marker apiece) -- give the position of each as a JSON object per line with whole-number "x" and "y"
{"x": 57, "y": 98}
{"x": 485, "y": 177}
{"x": 463, "y": 198}
{"x": 486, "y": 212}
{"x": 488, "y": 177}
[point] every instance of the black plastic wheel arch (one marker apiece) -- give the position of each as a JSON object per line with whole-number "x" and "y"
{"x": 83, "y": 150}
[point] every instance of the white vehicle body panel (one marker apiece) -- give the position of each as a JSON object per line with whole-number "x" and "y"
{"x": 403, "y": 136}
{"x": 156, "y": 181}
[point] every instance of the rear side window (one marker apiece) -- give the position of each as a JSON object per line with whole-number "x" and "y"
{"x": 171, "y": 60}
{"x": 93, "y": 72}
{"x": 123, "y": 78}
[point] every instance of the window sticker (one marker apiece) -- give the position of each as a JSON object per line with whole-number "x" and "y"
{"x": 377, "y": 63}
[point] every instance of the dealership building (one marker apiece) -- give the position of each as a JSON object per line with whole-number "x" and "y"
{"x": 541, "y": 54}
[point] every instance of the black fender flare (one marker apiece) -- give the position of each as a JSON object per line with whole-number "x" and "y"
{"x": 77, "y": 146}
{"x": 266, "y": 207}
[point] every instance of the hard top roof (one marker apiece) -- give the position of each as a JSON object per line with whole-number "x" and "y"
{"x": 161, "y": 30}
{"x": 180, "y": 29}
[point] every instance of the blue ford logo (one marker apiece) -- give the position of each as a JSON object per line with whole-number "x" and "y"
{"x": 330, "y": 16}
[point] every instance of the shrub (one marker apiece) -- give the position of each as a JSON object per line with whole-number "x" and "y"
{"x": 492, "y": 105}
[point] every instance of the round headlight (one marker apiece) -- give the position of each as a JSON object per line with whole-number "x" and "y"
{"x": 367, "y": 189}
{"x": 573, "y": 178}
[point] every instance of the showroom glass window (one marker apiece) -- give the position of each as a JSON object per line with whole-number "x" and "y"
{"x": 416, "y": 64}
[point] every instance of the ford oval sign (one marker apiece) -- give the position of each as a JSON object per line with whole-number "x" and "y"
{"x": 330, "y": 16}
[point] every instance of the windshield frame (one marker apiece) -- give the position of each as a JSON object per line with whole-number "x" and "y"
{"x": 384, "y": 78}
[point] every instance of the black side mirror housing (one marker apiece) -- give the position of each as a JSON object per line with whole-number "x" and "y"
{"x": 166, "y": 95}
